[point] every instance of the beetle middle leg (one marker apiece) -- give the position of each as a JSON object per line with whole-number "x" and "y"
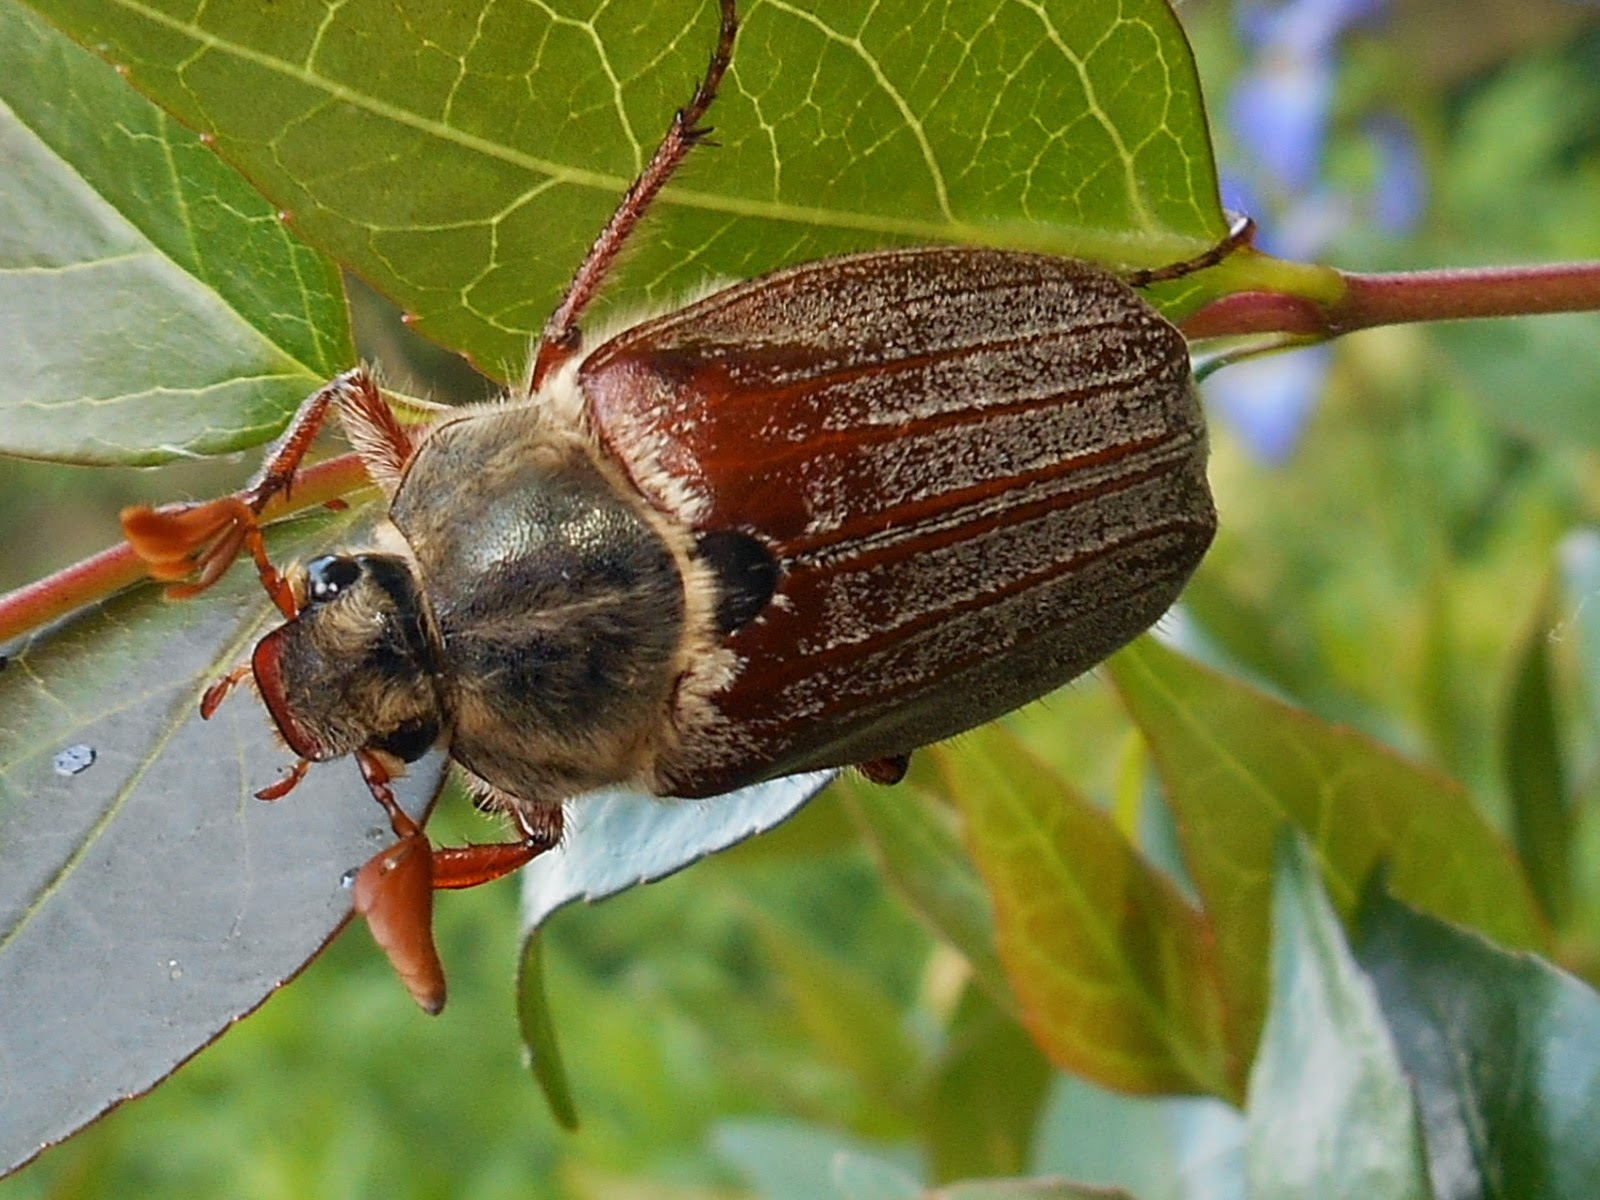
{"x": 561, "y": 338}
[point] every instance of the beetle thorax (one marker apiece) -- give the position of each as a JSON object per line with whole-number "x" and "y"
{"x": 558, "y": 604}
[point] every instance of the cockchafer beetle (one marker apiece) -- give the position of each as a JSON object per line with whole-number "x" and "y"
{"x": 817, "y": 519}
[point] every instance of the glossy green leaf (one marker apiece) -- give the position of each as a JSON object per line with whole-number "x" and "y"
{"x": 151, "y": 303}
{"x": 919, "y": 851}
{"x": 846, "y": 1014}
{"x": 1504, "y": 1051}
{"x": 1332, "y": 1116}
{"x": 147, "y": 899}
{"x": 462, "y": 160}
{"x": 988, "y": 1088}
{"x": 1239, "y": 766}
{"x": 1113, "y": 970}
{"x": 537, "y": 1025}
{"x": 1541, "y": 810}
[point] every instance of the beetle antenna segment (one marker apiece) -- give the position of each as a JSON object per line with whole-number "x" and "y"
{"x": 288, "y": 783}
{"x": 218, "y": 691}
{"x": 1240, "y": 233}
{"x": 561, "y": 337}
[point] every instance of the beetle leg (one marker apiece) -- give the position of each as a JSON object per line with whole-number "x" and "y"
{"x": 178, "y": 541}
{"x": 561, "y": 338}
{"x": 218, "y": 691}
{"x": 468, "y": 866}
{"x": 886, "y": 770}
{"x": 393, "y": 890}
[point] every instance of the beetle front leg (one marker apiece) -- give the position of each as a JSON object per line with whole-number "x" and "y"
{"x": 394, "y": 889}
{"x": 189, "y": 546}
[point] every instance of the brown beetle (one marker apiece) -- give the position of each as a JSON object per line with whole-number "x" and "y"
{"x": 817, "y": 519}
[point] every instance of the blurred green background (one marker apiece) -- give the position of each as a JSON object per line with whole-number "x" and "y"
{"x": 1432, "y": 512}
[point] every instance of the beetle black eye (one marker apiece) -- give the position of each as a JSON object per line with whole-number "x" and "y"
{"x": 329, "y": 575}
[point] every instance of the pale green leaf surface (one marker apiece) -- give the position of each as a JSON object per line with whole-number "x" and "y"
{"x": 1543, "y": 821}
{"x": 846, "y": 1014}
{"x": 151, "y": 303}
{"x": 149, "y": 900}
{"x": 462, "y": 160}
{"x": 920, "y": 853}
{"x": 1238, "y": 766}
{"x": 1044, "y": 1188}
{"x": 987, "y": 1092}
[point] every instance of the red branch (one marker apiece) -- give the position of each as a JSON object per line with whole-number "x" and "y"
{"x": 1365, "y": 301}
{"x": 1406, "y": 297}
{"x": 37, "y": 604}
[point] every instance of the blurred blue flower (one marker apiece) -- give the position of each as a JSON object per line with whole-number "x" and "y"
{"x": 1267, "y": 400}
{"x": 1279, "y": 114}
{"x": 1402, "y": 187}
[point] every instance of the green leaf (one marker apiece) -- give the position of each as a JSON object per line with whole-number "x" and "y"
{"x": 1504, "y": 1051}
{"x": 920, "y": 855}
{"x": 151, "y": 303}
{"x": 1238, "y": 766}
{"x": 464, "y": 162}
{"x": 1113, "y": 970}
{"x": 845, "y": 1014}
{"x": 147, "y": 899}
{"x": 537, "y": 1025}
{"x": 988, "y": 1089}
{"x": 1025, "y": 1189}
{"x": 1542, "y": 817}
{"x": 866, "y": 1177}
{"x": 1331, "y": 1112}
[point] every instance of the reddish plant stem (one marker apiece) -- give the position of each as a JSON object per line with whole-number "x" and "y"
{"x": 1367, "y": 300}
{"x": 1401, "y": 298}
{"x": 98, "y": 576}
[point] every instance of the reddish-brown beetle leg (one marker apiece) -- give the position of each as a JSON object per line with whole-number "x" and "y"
{"x": 180, "y": 541}
{"x": 886, "y": 770}
{"x": 393, "y": 890}
{"x": 218, "y": 691}
{"x": 468, "y": 866}
{"x": 560, "y": 339}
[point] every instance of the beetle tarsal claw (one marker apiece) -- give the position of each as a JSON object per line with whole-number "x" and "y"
{"x": 218, "y": 691}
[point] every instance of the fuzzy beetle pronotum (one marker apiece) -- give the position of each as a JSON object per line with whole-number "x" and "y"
{"x": 818, "y": 519}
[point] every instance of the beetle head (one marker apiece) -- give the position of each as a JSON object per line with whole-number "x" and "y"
{"x": 357, "y": 667}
